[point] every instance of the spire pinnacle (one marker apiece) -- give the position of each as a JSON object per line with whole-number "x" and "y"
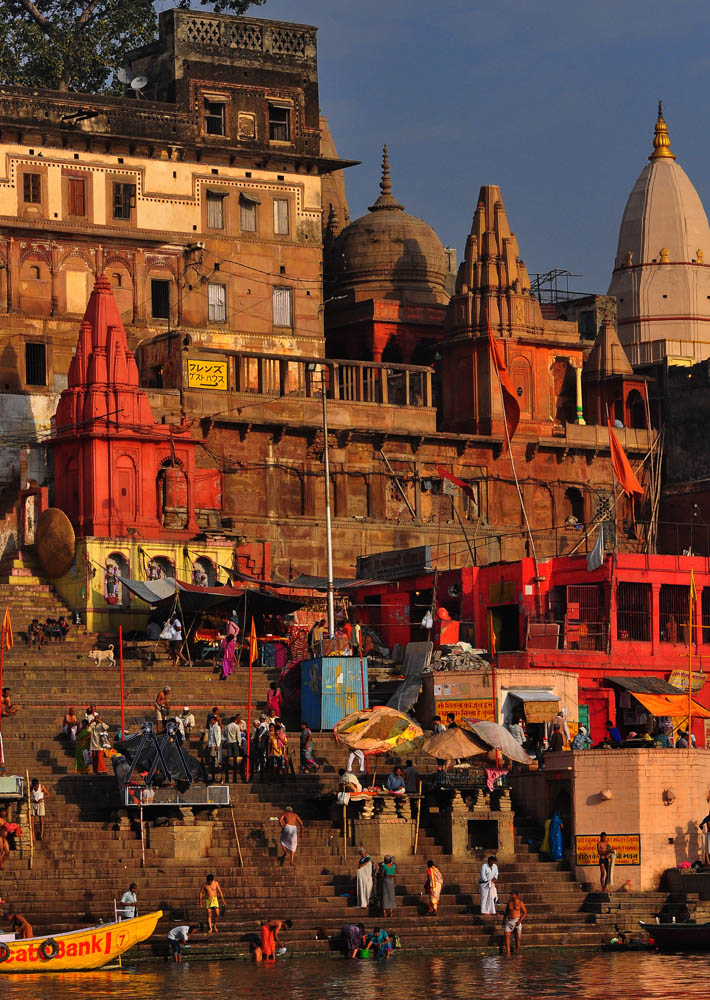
{"x": 661, "y": 139}
{"x": 386, "y": 199}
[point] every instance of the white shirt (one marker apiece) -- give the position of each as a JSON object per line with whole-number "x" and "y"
{"x": 187, "y": 719}
{"x": 231, "y": 733}
{"x": 214, "y": 736}
{"x": 488, "y": 872}
{"x": 129, "y": 900}
{"x": 180, "y": 933}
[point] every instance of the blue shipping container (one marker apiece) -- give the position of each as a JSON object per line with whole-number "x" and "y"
{"x": 331, "y": 688}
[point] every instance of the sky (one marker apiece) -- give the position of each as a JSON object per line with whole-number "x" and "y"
{"x": 554, "y": 101}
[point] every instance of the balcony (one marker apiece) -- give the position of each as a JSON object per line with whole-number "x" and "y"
{"x": 361, "y": 394}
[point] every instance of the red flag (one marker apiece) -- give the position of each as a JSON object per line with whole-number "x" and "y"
{"x": 620, "y": 464}
{"x": 443, "y": 474}
{"x": 510, "y": 398}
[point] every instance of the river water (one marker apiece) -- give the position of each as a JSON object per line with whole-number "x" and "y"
{"x": 535, "y": 975}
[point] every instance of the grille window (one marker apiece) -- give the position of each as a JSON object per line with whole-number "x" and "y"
{"x": 282, "y": 307}
{"x": 633, "y": 611}
{"x": 160, "y": 298}
{"x": 673, "y": 606}
{"x": 279, "y": 123}
{"x": 35, "y": 364}
{"x": 216, "y": 303}
{"x": 214, "y": 117}
{"x": 77, "y": 196}
{"x": 32, "y": 188}
{"x": 124, "y": 199}
{"x": 705, "y": 611}
{"x": 281, "y": 216}
{"x": 215, "y": 210}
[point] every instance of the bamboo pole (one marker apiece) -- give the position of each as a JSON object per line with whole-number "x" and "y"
{"x": 142, "y": 835}
{"x": 416, "y": 828}
{"x": 236, "y": 836}
{"x": 691, "y": 601}
{"x": 345, "y": 830}
{"x": 29, "y": 818}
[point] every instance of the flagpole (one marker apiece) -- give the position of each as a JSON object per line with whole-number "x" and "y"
{"x": 252, "y": 647}
{"x": 2, "y": 665}
{"x": 512, "y": 465}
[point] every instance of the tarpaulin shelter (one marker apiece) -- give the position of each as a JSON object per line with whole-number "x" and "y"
{"x": 453, "y": 744}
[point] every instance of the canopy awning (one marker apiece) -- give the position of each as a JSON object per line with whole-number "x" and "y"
{"x": 194, "y": 598}
{"x": 643, "y": 685}
{"x": 541, "y": 704}
{"x": 672, "y": 705}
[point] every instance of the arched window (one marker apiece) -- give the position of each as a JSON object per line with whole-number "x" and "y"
{"x": 115, "y": 567}
{"x": 635, "y": 410}
{"x": 573, "y": 507}
{"x": 203, "y": 572}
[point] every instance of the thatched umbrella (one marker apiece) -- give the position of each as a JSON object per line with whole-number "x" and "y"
{"x": 453, "y": 744}
{"x": 490, "y": 734}
{"x": 377, "y": 730}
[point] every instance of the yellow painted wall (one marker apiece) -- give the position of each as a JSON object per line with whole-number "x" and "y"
{"x": 83, "y": 586}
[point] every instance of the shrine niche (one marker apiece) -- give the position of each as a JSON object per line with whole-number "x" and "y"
{"x": 116, "y": 566}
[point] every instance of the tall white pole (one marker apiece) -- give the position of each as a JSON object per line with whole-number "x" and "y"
{"x": 328, "y": 529}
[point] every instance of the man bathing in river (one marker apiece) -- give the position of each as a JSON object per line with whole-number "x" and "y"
{"x": 270, "y": 938}
{"x": 515, "y": 913}
{"x": 290, "y": 824}
{"x": 210, "y": 890}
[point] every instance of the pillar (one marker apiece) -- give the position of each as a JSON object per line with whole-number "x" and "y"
{"x": 578, "y": 387}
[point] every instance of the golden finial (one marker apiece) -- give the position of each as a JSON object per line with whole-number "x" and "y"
{"x": 661, "y": 139}
{"x": 700, "y": 256}
{"x": 386, "y": 199}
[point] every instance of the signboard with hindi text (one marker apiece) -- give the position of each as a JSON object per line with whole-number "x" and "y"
{"x": 679, "y": 679}
{"x": 468, "y": 708}
{"x": 626, "y": 845}
{"x": 203, "y": 374}
{"x": 394, "y": 565}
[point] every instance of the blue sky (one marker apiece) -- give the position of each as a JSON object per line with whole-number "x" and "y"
{"x": 554, "y": 101}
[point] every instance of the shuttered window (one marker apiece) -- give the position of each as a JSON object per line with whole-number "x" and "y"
{"x": 124, "y": 199}
{"x": 247, "y": 215}
{"x": 160, "y": 298}
{"x": 35, "y": 364}
{"x": 216, "y": 303}
{"x": 215, "y": 210}
{"x": 281, "y": 216}
{"x": 77, "y": 196}
{"x": 32, "y": 188}
{"x": 283, "y": 310}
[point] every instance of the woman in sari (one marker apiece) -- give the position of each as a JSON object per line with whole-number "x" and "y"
{"x": 308, "y": 764}
{"x": 388, "y": 869}
{"x": 364, "y": 879}
{"x": 228, "y": 662}
{"x": 83, "y": 738}
{"x": 432, "y": 887}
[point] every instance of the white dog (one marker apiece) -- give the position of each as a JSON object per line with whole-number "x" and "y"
{"x": 99, "y": 655}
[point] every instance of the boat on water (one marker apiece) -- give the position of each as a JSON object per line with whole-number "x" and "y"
{"x": 77, "y": 951}
{"x": 679, "y": 936}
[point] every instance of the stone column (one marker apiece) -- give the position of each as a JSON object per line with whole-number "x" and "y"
{"x": 578, "y": 387}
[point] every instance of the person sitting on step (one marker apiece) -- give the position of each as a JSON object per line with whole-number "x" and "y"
{"x": 8, "y": 709}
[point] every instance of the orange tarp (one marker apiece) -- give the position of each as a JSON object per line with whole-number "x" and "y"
{"x": 673, "y": 705}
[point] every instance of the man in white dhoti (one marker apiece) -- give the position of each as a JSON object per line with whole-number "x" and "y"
{"x": 352, "y": 757}
{"x": 290, "y": 823}
{"x": 489, "y": 893}
{"x": 364, "y": 879}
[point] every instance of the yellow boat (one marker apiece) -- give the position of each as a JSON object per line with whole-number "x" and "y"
{"x": 77, "y": 951}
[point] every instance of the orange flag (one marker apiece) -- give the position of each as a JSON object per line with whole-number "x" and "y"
{"x": 620, "y": 464}
{"x": 7, "y": 630}
{"x": 253, "y": 647}
{"x": 510, "y": 398}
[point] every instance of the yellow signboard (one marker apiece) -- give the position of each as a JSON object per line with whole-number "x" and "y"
{"x": 626, "y": 845}
{"x": 206, "y": 374}
{"x": 679, "y": 679}
{"x": 469, "y": 708}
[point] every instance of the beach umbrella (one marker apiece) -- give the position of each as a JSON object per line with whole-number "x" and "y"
{"x": 378, "y": 730}
{"x": 493, "y": 735}
{"x": 453, "y": 744}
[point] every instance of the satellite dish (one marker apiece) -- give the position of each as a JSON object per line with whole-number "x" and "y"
{"x": 123, "y": 75}
{"x": 139, "y": 82}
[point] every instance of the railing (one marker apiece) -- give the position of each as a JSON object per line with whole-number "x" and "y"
{"x": 274, "y": 375}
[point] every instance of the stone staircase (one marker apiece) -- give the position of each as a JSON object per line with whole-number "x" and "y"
{"x": 92, "y": 852}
